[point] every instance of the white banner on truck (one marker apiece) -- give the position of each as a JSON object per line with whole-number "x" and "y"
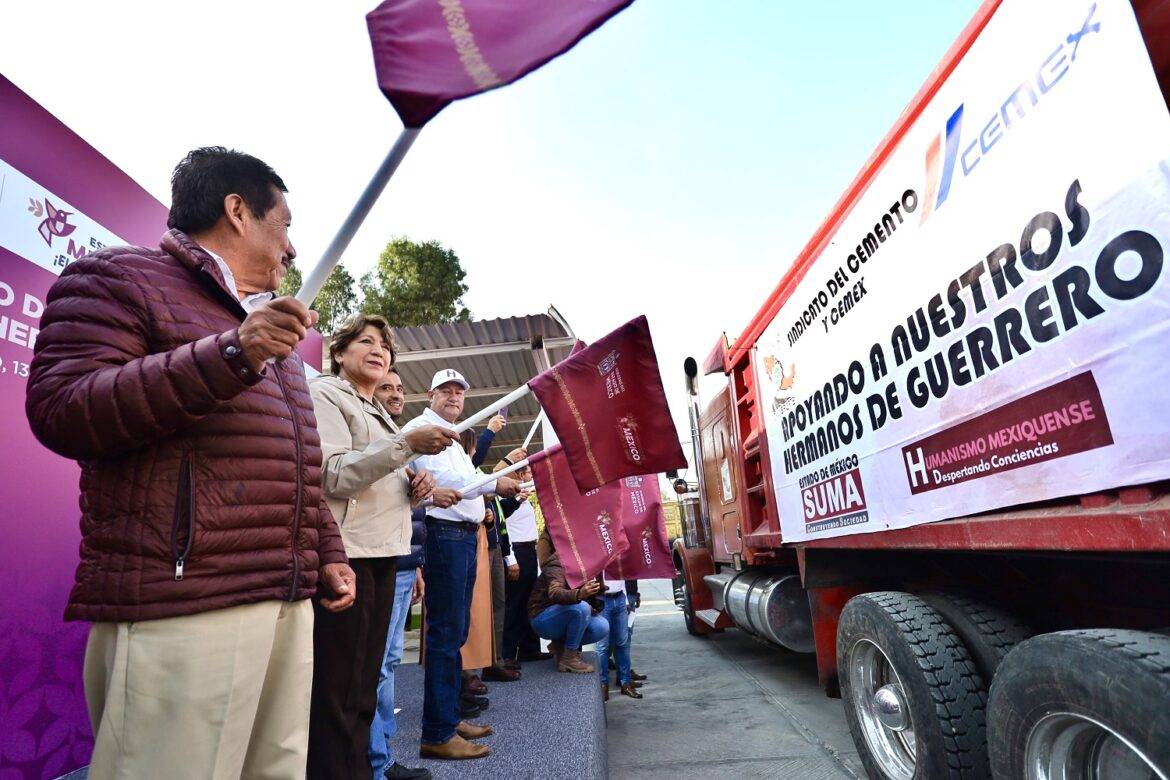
{"x": 987, "y": 324}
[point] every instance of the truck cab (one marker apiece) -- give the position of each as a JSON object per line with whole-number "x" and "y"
{"x": 946, "y": 484}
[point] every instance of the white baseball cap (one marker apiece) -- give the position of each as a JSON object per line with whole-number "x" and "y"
{"x": 446, "y": 375}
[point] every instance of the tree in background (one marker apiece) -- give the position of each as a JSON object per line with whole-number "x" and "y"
{"x": 415, "y": 284}
{"x": 336, "y": 301}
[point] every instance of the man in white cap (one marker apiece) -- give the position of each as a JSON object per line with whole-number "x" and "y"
{"x": 449, "y": 570}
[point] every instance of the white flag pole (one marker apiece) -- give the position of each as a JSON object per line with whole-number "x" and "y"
{"x": 479, "y": 417}
{"x": 316, "y": 278}
{"x": 486, "y": 478}
{"x": 532, "y": 432}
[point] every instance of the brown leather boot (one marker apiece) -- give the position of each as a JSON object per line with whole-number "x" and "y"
{"x": 455, "y": 749}
{"x": 605, "y": 691}
{"x": 571, "y": 662}
{"x": 473, "y": 731}
{"x": 629, "y": 690}
{"x": 556, "y": 648}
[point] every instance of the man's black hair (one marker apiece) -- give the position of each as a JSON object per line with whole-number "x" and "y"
{"x": 206, "y": 176}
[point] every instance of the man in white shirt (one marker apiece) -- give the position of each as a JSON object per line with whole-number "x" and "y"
{"x": 449, "y": 571}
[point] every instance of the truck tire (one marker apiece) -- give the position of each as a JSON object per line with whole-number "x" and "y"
{"x": 913, "y": 698}
{"x": 989, "y": 632}
{"x": 695, "y": 627}
{"x": 1092, "y": 702}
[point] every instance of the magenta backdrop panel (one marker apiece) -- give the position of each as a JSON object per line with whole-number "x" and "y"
{"x": 44, "y": 728}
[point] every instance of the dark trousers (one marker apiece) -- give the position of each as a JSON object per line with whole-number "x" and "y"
{"x": 518, "y": 635}
{"x": 450, "y": 578}
{"x": 347, "y": 657}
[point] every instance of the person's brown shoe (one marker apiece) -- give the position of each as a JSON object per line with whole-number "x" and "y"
{"x": 474, "y": 686}
{"x": 605, "y": 691}
{"x": 455, "y": 749}
{"x": 500, "y": 674}
{"x": 636, "y": 677}
{"x": 473, "y": 731}
{"x": 556, "y": 648}
{"x": 629, "y": 690}
{"x": 571, "y": 662}
{"x": 510, "y": 663}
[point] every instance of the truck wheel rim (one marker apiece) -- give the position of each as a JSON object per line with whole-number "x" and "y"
{"x": 877, "y": 692}
{"x": 1069, "y": 746}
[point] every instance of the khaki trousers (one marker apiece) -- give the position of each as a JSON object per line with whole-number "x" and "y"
{"x": 221, "y": 694}
{"x": 499, "y": 602}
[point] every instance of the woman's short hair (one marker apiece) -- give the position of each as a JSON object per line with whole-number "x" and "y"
{"x": 349, "y": 332}
{"x": 467, "y": 441}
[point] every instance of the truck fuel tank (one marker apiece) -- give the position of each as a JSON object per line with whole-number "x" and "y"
{"x": 768, "y": 605}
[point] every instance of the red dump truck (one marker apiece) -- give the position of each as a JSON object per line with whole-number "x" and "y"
{"x": 940, "y": 458}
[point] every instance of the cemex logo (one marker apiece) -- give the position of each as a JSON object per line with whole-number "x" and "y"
{"x": 948, "y": 150}
{"x": 56, "y": 221}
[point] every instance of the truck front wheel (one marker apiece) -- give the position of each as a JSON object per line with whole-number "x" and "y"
{"x": 1082, "y": 704}
{"x": 695, "y": 627}
{"x": 913, "y": 698}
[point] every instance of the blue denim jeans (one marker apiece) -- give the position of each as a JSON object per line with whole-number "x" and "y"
{"x": 383, "y": 729}
{"x": 573, "y": 625}
{"x": 450, "y": 576}
{"x": 617, "y": 638}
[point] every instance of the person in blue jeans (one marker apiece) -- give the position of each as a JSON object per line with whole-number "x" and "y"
{"x": 408, "y": 590}
{"x": 617, "y": 639}
{"x": 450, "y": 553}
{"x": 563, "y": 616}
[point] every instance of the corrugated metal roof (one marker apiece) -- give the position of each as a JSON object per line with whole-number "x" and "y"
{"x": 481, "y": 332}
{"x": 496, "y": 356}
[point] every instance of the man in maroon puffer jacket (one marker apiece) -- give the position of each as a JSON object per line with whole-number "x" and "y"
{"x": 204, "y": 532}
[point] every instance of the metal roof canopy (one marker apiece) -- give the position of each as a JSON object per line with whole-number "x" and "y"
{"x": 496, "y": 356}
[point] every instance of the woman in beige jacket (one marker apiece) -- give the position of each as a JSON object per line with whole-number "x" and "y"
{"x": 370, "y": 490}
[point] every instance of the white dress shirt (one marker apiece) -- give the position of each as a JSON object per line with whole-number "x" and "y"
{"x": 452, "y": 468}
{"x": 521, "y": 526}
{"x": 249, "y": 302}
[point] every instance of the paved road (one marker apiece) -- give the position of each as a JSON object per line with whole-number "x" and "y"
{"x": 723, "y": 706}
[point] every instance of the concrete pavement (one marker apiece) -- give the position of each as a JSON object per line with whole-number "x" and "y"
{"x": 722, "y": 706}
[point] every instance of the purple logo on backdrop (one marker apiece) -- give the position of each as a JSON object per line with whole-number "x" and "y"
{"x": 56, "y": 221}
{"x": 56, "y": 224}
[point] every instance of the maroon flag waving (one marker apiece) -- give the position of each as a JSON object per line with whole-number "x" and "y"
{"x": 586, "y": 530}
{"x": 428, "y": 53}
{"x": 648, "y": 556}
{"x": 609, "y": 410}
